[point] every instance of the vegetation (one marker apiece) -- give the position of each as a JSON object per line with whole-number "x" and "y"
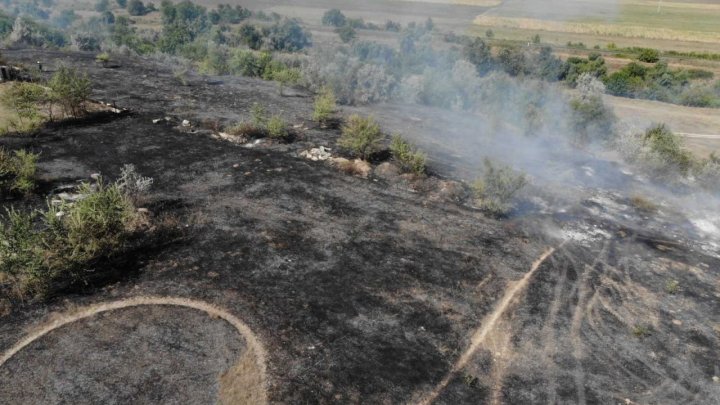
{"x": 70, "y": 89}
{"x": 325, "y": 105}
{"x": 498, "y": 187}
{"x": 103, "y": 58}
{"x": 669, "y": 147}
{"x": 43, "y": 251}
{"x": 277, "y": 127}
{"x": 409, "y": 157}
{"x": 672, "y": 287}
{"x": 643, "y": 205}
{"x": 642, "y": 331}
{"x": 334, "y": 18}
{"x": 259, "y": 115}
{"x": 17, "y": 170}
{"x": 346, "y": 33}
{"x": 24, "y": 99}
{"x": 361, "y": 136}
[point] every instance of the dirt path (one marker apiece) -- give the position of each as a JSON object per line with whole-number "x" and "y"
{"x": 245, "y": 383}
{"x": 487, "y": 326}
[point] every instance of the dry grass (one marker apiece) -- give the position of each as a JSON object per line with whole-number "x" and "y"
{"x": 597, "y": 29}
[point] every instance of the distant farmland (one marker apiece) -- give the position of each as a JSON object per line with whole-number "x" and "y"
{"x": 637, "y": 19}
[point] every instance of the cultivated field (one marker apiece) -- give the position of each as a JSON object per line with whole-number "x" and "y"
{"x": 674, "y": 23}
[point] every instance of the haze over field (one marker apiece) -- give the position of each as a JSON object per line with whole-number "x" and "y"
{"x": 345, "y": 202}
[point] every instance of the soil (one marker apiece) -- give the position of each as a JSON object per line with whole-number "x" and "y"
{"x": 359, "y": 290}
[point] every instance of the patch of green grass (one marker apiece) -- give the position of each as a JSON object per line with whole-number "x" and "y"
{"x": 672, "y": 287}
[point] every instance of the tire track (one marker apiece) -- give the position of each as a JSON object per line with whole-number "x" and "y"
{"x": 487, "y": 326}
{"x": 244, "y": 383}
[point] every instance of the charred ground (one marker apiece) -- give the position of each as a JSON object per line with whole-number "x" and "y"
{"x": 364, "y": 290}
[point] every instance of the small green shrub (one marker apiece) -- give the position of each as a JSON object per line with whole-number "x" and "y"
{"x": 325, "y": 105}
{"x": 641, "y": 331}
{"x": 498, "y": 187}
{"x": 361, "y": 136}
{"x": 43, "y": 250}
{"x": 18, "y": 170}
{"x": 103, "y": 58}
{"x": 277, "y": 127}
{"x": 649, "y": 55}
{"x": 672, "y": 287}
{"x": 71, "y": 90}
{"x": 259, "y": 115}
{"x": 670, "y": 146}
{"x": 409, "y": 158}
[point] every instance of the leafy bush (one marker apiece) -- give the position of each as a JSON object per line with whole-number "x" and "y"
{"x": 649, "y": 55}
{"x": 591, "y": 119}
{"x": 250, "y": 36}
{"x": 103, "y": 58}
{"x": 288, "y": 36}
{"x": 70, "y": 89}
{"x": 362, "y": 136}
{"x": 334, "y": 18}
{"x": 18, "y": 170}
{"x": 498, "y": 187}
{"x": 40, "y": 253}
{"x": 28, "y": 32}
{"x": 277, "y": 127}
{"x": 325, "y": 105}
{"x": 25, "y": 99}
{"x": 408, "y": 156}
{"x": 259, "y": 115}
{"x": 478, "y": 53}
{"x": 226, "y": 14}
{"x": 346, "y": 33}
{"x": 136, "y": 8}
{"x": 669, "y": 146}
{"x": 593, "y": 65}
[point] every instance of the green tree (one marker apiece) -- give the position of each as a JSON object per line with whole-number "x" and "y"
{"x": 478, "y": 53}
{"x": 136, "y": 8}
{"x": 102, "y": 5}
{"x": 346, "y": 33}
{"x": 334, "y": 18}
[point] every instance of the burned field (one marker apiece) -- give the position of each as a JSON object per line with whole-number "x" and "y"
{"x": 357, "y": 290}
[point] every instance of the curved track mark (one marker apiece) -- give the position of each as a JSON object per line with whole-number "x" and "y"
{"x": 487, "y": 326}
{"x": 249, "y": 372}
